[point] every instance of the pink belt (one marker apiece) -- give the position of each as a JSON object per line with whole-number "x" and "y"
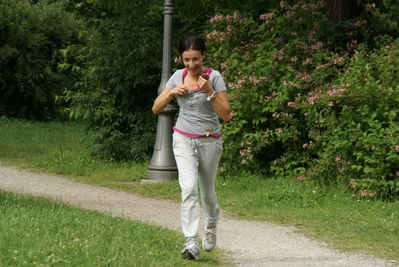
{"x": 218, "y": 135}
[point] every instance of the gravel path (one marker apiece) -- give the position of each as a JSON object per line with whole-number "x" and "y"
{"x": 250, "y": 243}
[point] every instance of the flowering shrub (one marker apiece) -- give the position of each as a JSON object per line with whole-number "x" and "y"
{"x": 354, "y": 124}
{"x": 304, "y": 109}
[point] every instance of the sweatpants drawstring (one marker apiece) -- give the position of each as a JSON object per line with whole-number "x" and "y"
{"x": 195, "y": 143}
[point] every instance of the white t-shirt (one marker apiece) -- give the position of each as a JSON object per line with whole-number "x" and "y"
{"x": 196, "y": 113}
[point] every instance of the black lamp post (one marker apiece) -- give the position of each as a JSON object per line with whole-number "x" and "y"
{"x": 163, "y": 166}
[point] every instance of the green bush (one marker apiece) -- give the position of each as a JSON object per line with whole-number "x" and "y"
{"x": 119, "y": 68}
{"x": 263, "y": 65}
{"x": 305, "y": 109}
{"x": 30, "y": 39}
{"x": 356, "y": 137}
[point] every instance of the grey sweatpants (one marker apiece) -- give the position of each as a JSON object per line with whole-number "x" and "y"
{"x": 197, "y": 163}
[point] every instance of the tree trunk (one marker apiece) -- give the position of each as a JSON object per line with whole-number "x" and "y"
{"x": 34, "y": 2}
{"x": 340, "y": 10}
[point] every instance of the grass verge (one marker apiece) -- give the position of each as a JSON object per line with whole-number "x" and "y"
{"x": 40, "y": 232}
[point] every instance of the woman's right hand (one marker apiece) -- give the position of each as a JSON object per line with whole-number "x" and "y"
{"x": 179, "y": 90}
{"x": 163, "y": 99}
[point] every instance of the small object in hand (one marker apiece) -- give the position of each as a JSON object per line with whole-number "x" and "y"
{"x": 205, "y": 76}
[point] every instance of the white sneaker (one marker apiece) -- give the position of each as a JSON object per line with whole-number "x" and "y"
{"x": 191, "y": 249}
{"x": 209, "y": 239}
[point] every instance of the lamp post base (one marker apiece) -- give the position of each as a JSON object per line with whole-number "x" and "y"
{"x": 163, "y": 165}
{"x": 154, "y": 175}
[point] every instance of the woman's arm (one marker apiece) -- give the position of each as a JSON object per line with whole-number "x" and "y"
{"x": 165, "y": 96}
{"x": 220, "y": 102}
{"x": 161, "y": 101}
{"x": 221, "y": 105}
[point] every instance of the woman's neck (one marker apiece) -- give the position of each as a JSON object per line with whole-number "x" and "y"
{"x": 196, "y": 75}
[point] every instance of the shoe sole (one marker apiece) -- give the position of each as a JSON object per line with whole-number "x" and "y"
{"x": 208, "y": 250}
{"x": 188, "y": 255}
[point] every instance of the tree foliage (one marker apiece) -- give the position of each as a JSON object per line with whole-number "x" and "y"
{"x": 30, "y": 37}
{"x": 119, "y": 70}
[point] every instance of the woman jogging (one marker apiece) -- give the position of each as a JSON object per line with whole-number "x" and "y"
{"x": 197, "y": 145}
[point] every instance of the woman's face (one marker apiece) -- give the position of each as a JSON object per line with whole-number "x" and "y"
{"x": 193, "y": 60}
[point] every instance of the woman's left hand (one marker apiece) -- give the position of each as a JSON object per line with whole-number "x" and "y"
{"x": 205, "y": 85}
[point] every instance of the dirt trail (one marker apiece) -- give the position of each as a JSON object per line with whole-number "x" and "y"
{"x": 250, "y": 243}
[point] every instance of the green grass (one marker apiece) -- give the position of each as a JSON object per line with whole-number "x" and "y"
{"x": 327, "y": 214}
{"x": 40, "y": 232}
{"x": 63, "y": 149}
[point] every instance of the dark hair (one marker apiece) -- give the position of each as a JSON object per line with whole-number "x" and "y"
{"x": 191, "y": 43}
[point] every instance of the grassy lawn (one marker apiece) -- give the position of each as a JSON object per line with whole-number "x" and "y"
{"x": 41, "y": 232}
{"x": 328, "y": 214}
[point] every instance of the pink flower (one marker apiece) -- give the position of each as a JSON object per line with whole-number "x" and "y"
{"x": 352, "y": 182}
{"x": 267, "y": 16}
{"x": 307, "y": 61}
{"x": 339, "y": 60}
